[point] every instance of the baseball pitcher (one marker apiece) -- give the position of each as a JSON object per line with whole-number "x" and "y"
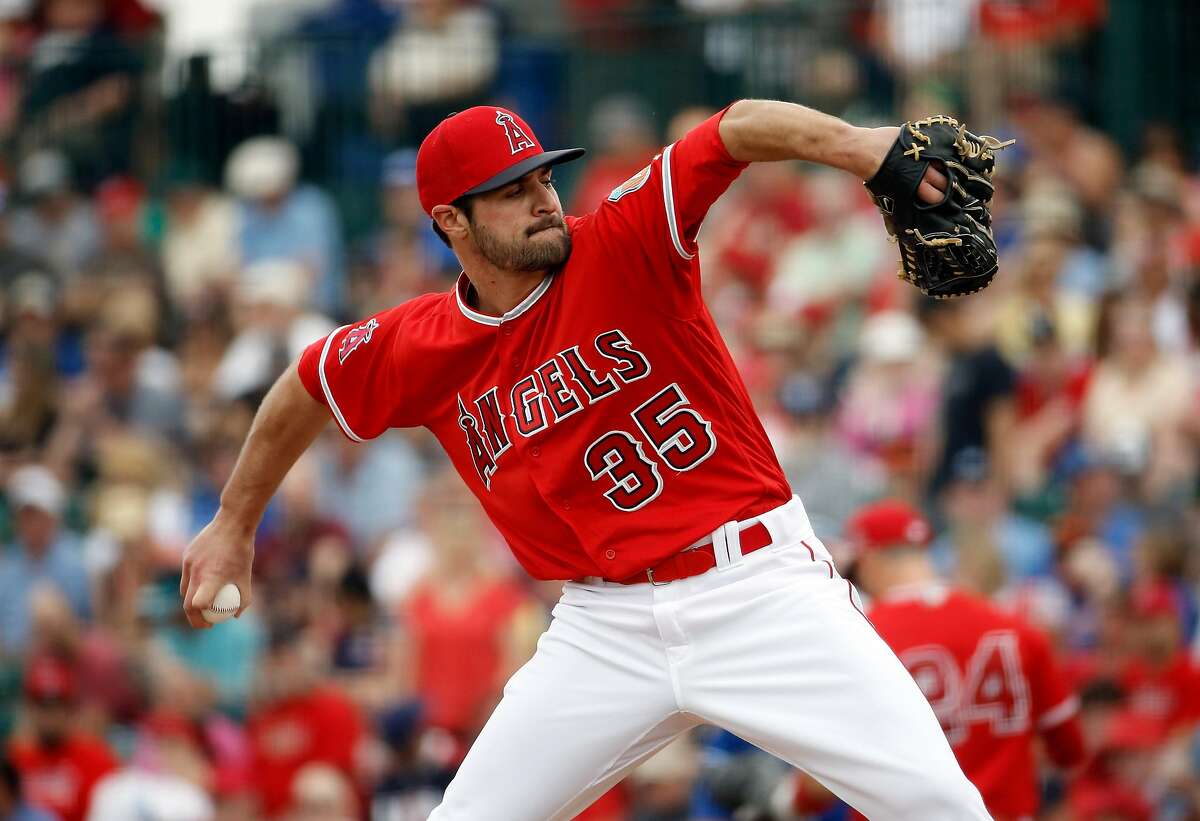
{"x": 578, "y": 383}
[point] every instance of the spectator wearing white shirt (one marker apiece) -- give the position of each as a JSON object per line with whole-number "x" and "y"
{"x": 441, "y": 58}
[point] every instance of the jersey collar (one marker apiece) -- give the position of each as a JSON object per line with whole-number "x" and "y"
{"x": 460, "y": 291}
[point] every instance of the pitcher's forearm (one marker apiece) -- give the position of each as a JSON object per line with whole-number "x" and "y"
{"x": 767, "y": 130}
{"x": 287, "y": 422}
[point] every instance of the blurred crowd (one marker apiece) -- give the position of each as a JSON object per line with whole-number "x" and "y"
{"x": 152, "y": 288}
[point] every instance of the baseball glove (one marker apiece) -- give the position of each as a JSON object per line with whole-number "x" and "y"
{"x": 946, "y": 248}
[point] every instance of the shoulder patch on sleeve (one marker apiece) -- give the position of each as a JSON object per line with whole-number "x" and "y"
{"x": 630, "y": 185}
{"x": 360, "y": 335}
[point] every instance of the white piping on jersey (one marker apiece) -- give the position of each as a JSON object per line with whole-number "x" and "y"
{"x": 1059, "y": 713}
{"x": 484, "y": 319}
{"x": 333, "y": 406}
{"x": 669, "y": 202}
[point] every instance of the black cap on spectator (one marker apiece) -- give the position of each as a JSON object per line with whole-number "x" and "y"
{"x": 354, "y": 584}
{"x": 804, "y": 395}
{"x": 10, "y": 777}
{"x": 399, "y": 725}
{"x": 970, "y": 465}
{"x": 284, "y": 633}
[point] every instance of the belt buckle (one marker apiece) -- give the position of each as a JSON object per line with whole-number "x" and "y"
{"x": 650, "y": 576}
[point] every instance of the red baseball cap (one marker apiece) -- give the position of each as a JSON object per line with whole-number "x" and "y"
{"x": 119, "y": 197}
{"x": 888, "y": 523}
{"x": 1154, "y": 599}
{"x": 479, "y": 150}
{"x": 49, "y": 678}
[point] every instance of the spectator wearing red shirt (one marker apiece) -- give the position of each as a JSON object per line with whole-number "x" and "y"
{"x": 1161, "y": 680}
{"x": 621, "y": 129}
{"x": 59, "y": 765}
{"x": 471, "y": 624}
{"x": 1117, "y": 776}
{"x": 298, "y": 722}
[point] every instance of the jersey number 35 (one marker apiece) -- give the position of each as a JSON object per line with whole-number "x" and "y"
{"x": 679, "y": 436}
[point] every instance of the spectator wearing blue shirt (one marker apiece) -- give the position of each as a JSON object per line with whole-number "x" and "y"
{"x": 278, "y": 219}
{"x": 41, "y": 554}
{"x": 370, "y": 489}
{"x": 977, "y": 515}
{"x": 404, "y": 216}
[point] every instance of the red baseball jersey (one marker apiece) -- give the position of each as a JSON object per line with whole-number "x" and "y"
{"x": 1170, "y": 693}
{"x": 991, "y": 679}
{"x": 61, "y": 779}
{"x": 319, "y": 726}
{"x": 601, "y": 422}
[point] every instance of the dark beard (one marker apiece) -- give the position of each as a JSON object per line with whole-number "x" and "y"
{"x": 549, "y": 252}
{"x": 52, "y": 739}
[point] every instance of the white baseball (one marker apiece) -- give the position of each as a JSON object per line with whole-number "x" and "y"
{"x": 227, "y": 602}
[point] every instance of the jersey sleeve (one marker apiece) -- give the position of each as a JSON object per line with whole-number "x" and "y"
{"x": 662, "y": 207}
{"x": 356, "y": 373}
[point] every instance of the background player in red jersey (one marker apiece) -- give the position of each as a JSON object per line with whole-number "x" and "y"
{"x": 992, "y": 680}
{"x": 582, "y": 390}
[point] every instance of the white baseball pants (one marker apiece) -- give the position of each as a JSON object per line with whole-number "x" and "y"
{"x": 771, "y": 646}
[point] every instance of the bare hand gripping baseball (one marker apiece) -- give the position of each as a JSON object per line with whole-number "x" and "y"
{"x": 286, "y": 424}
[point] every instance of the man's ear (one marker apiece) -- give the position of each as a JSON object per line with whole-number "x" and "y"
{"x": 451, "y": 220}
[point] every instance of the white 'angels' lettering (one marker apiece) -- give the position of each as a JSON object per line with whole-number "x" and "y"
{"x": 545, "y": 397}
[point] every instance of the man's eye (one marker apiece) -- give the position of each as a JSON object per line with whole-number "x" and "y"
{"x": 548, "y": 183}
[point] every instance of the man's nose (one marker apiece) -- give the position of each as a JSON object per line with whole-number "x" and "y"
{"x": 544, "y": 202}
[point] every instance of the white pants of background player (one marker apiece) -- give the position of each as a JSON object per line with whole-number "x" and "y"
{"x": 770, "y": 646}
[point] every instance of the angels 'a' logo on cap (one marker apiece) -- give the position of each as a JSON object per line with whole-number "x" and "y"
{"x": 356, "y": 336}
{"x": 518, "y": 140}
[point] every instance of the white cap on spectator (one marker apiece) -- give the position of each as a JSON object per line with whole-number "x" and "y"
{"x": 1051, "y": 209}
{"x": 33, "y": 293}
{"x": 36, "y": 486}
{"x": 890, "y": 336}
{"x": 262, "y": 167}
{"x": 44, "y": 172}
{"x": 277, "y": 282}
{"x": 1158, "y": 185}
{"x": 321, "y": 788}
{"x": 15, "y": 9}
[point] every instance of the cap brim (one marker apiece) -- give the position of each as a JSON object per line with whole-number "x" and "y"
{"x": 514, "y": 172}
